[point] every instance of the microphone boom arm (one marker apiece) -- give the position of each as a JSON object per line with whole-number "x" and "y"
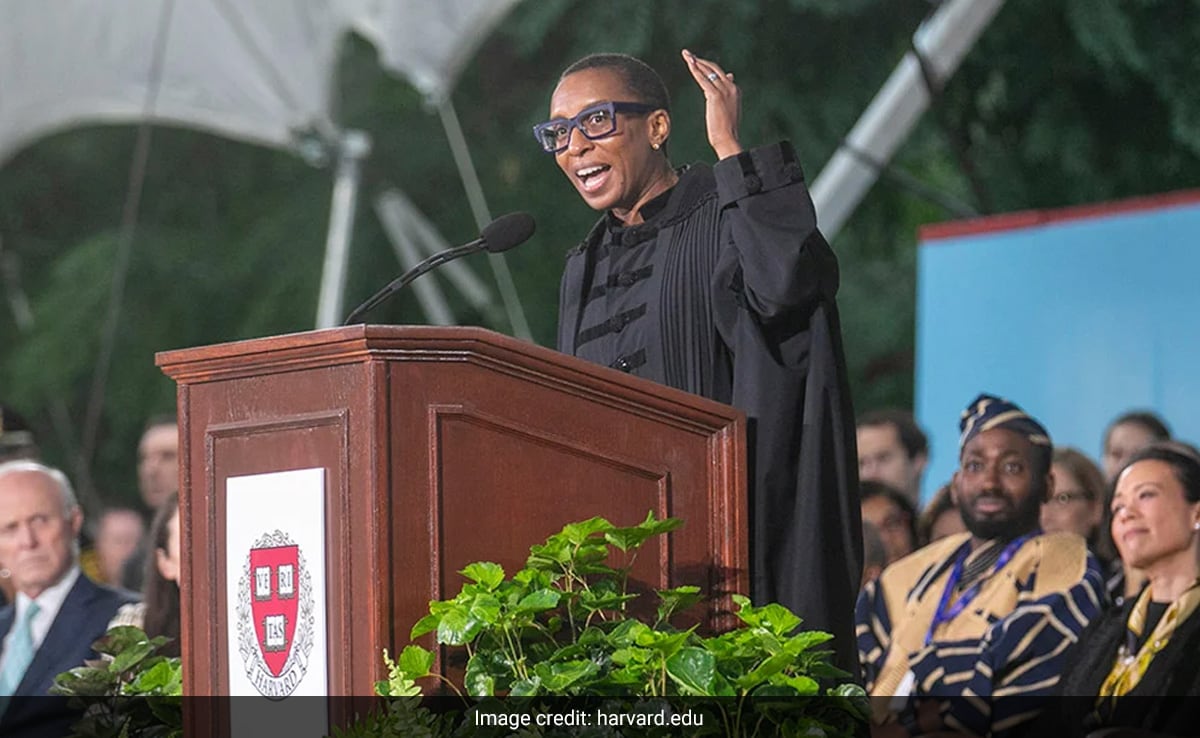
{"x": 408, "y": 277}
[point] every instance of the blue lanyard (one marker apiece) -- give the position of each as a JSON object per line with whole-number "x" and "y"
{"x": 947, "y": 610}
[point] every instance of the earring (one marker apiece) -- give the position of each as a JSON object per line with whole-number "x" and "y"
{"x": 654, "y": 146}
{"x": 1196, "y": 526}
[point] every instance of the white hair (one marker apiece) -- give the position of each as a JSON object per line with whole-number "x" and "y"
{"x": 65, "y": 490}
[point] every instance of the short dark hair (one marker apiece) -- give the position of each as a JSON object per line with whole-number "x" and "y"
{"x": 911, "y": 436}
{"x": 870, "y": 488}
{"x": 641, "y": 79}
{"x": 160, "y": 419}
{"x": 1183, "y": 459}
{"x": 1147, "y": 419}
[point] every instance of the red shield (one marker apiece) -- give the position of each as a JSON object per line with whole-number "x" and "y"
{"x": 274, "y": 598}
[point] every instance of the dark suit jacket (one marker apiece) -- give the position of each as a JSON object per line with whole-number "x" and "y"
{"x": 81, "y": 620}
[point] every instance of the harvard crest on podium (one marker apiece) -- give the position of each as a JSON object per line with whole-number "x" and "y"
{"x": 275, "y": 615}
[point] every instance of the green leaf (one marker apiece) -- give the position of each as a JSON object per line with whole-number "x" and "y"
{"x": 694, "y": 670}
{"x": 665, "y": 643}
{"x": 632, "y": 656}
{"x": 774, "y": 617}
{"x": 131, "y": 656}
{"x": 427, "y": 624}
{"x": 848, "y": 690}
{"x": 525, "y": 687}
{"x": 539, "y": 601}
{"x": 804, "y": 686}
{"x": 532, "y": 578}
{"x": 485, "y": 608}
{"x": 764, "y": 671}
{"x": 597, "y": 601}
{"x": 628, "y": 676}
{"x": 484, "y": 572}
{"x": 163, "y": 678}
{"x": 801, "y": 642}
{"x": 549, "y": 556}
{"x": 458, "y": 628}
{"x": 654, "y": 526}
{"x": 557, "y": 678}
{"x": 673, "y": 600}
{"x": 120, "y": 639}
{"x": 415, "y": 662}
{"x": 627, "y": 538}
{"x": 478, "y": 681}
{"x": 578, "y": 533}
{"x": 628, "y": 632}
{"x": 85, "y": 681}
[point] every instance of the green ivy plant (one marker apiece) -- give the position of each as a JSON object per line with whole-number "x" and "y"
{"x": 131, "y": 690}
{"x": 563, "y": 626}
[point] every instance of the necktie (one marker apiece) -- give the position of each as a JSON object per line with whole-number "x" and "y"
{"x": 20, "y": 652}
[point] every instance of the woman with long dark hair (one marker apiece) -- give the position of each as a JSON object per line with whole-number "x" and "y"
{"x": 158, "y": 613}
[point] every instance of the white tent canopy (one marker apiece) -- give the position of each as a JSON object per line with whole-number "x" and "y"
{"x": 259, "y": 71}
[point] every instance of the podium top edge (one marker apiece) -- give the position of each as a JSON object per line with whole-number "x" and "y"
{"x": 365, "y": 343}
{"x": 364, "y": 337}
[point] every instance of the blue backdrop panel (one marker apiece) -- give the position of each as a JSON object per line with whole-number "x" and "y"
{"x": 1076, "y": 319}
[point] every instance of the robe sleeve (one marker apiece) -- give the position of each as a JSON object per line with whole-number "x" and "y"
{"x": 768, "y": 218}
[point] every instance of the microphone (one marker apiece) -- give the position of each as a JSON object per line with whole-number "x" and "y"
{"x": 501, "y": 234}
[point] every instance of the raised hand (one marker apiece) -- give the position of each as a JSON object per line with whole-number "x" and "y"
{"x": 722, "y": 104}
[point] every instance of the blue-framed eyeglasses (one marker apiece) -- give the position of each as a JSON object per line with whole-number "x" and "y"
{"x": 597, "y": 121}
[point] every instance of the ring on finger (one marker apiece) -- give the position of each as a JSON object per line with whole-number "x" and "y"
{"x": 713, "y": 76}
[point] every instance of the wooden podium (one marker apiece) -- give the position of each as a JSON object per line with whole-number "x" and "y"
{"x": 440, "y": 446}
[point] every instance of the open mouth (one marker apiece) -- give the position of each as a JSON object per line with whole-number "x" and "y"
{"x": 990, "y": 504}
{"x": 592, "y": 178}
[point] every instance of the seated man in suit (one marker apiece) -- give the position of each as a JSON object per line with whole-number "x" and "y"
{"x": 988, "y": 613}
{"x": 58, "y": 613}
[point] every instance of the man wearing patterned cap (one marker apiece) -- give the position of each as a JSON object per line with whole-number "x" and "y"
{"x": 986, "y": 613}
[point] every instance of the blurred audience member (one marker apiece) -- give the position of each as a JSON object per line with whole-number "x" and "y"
{"x": 1136, "y": 664}
{"x": 118, "y": 534}
{"x": 1077, "y": 505}
{"x": 1125, "y": 436}
{"x": 158, "y": 461}
{"x": 16, "y": 437}
{"x": 940, "y": 518}
{"x": 158, "y": 612}
{"x": 893, "y": 516}
{"x": 893, "y": 449}
{"x": 158, "y": 478}
{"x": 1128, "y": 434}
{"x": 874, "y": 554}
{"x": 58, "y": 613}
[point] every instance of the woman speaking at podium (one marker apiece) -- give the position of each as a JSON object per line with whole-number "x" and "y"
{"x": 715, "y": 280}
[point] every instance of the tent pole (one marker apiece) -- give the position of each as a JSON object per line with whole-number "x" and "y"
{"x": 479, "y": 207}
{"x": 353, "y": 147}
{"x": 943, "y": 40}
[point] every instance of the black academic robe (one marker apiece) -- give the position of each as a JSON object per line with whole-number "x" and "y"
{"x": 727, "y": 291}
{"x": 1166, "y": 701}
